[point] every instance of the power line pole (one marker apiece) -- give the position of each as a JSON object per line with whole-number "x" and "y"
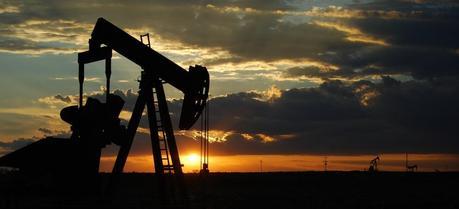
{"x": 406, "y": 161}
{"x": 325, "y": 164}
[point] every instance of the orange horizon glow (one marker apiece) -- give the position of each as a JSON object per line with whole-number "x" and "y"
{"x": 279, "y": 163}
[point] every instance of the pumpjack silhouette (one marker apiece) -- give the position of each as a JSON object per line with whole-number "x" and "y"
{"x": 410, "y": 168}
{"x": 374, "y": 164}
{"x": 96, "y": 124}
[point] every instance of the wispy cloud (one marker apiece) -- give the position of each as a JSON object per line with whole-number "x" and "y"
{"x": 353, "y": 34}
{"x": 39, "y": 36}
{"x": 9, "y": 9}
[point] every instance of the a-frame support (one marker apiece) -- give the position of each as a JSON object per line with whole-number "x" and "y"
{"x": 164, "y": 148}
{"x": 149, "y": 85}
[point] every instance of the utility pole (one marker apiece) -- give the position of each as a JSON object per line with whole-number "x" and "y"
{"x": 325, "y": 164}
{"x": 406, "y": 161}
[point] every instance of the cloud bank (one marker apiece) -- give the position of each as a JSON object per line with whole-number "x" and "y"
{"x": 351, "y": 118}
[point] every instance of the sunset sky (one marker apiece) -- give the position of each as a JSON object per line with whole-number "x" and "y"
{"x": 291, "y": 81}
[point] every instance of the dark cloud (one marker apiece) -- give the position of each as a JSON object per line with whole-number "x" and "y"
{"x": 360, "y": 117}
{"x": 421, "y": 34}
{"x": 65, "y": 99}
{"x": 260, "y": 36}
{"x": 356, "y": 118}
{"x": 45, "y": 131}
{"x": 406, "y": 5}
{"x": 422, "y": 44}
{"x": 337, "y": 117}
{"x": 420, "y": 63}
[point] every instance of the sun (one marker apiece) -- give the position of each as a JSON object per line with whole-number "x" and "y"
{"x": 192, "y": 159}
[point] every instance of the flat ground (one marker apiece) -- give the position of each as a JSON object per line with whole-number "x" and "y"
{"x": 315, "y": 190}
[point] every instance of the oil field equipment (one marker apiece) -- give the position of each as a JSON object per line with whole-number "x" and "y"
{"x": 410, "y": 168}
{"x": 204, "y": 138}
{"x": 96, "y": 124}
{"x": 374, "y": 164}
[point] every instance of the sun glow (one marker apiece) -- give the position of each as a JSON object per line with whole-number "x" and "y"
{"x": 250, "y": 163}
{"x": 191, "y": 159}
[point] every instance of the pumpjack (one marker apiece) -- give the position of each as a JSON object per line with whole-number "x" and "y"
{"x": 410, "y": 168}
{"x": 374, "y": 164}
{"x": 96, "y": 124}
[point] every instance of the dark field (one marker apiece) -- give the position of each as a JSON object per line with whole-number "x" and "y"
{"x": 314, "y": 190}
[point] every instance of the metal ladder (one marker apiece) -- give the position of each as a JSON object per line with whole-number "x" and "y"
{"x": 162, "y": 136}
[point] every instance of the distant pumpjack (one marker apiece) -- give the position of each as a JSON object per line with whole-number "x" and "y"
{"x": 374, "y": 164}
{"x": 410, "y": 168}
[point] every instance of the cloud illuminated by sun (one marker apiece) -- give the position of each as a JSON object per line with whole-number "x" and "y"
{"x": 214, "y": 135}
{"x": 353, "y": 34}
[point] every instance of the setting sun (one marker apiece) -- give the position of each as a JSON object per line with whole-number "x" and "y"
{"x": 191, "y": 159}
